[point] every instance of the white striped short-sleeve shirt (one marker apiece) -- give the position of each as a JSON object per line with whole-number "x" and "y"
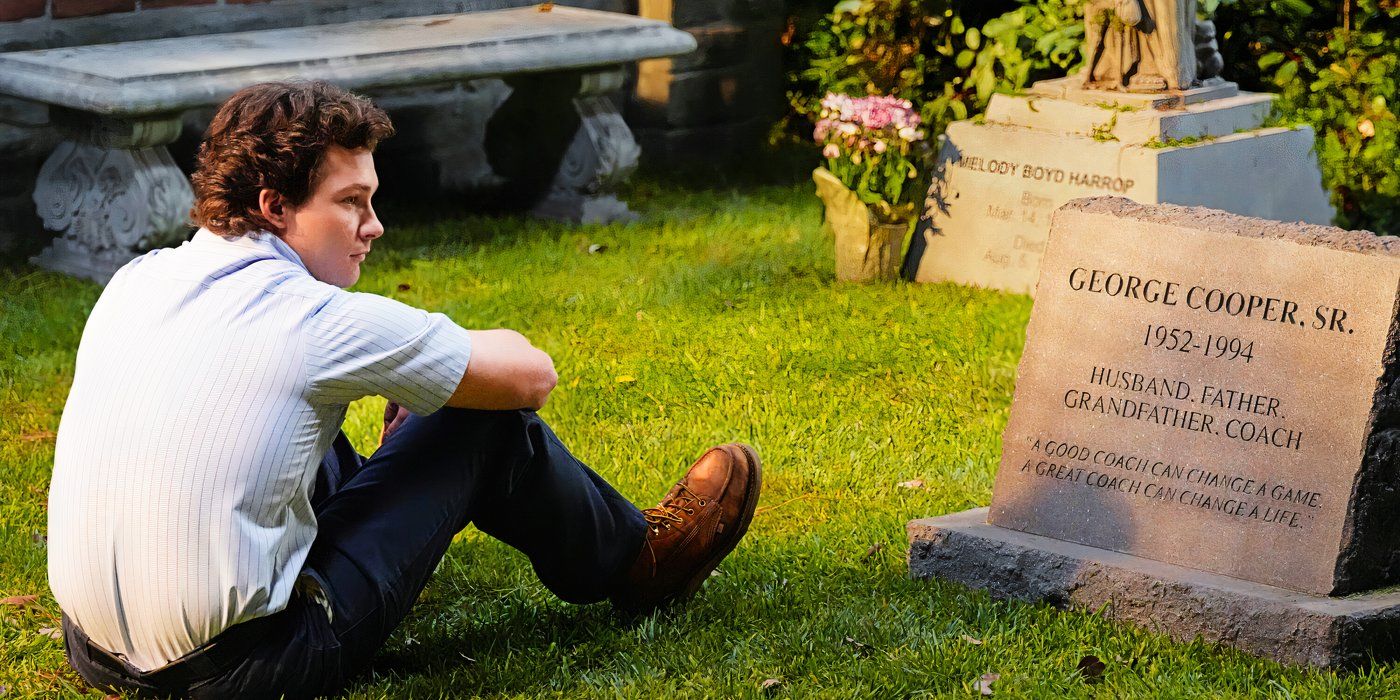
{"x": 210, "y": 380}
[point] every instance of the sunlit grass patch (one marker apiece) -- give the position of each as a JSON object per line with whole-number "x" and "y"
{"x": 714, "y": 318}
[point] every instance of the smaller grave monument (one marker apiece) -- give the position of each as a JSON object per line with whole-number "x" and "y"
{"x": 1147, "y": 118}
{"x": 1205, "y": 435}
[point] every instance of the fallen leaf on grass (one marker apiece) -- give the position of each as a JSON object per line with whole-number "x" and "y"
{"x": 971, "y": 640}
{"x": 404, "y": 286}
{"x": 861, "y": 648}
{"x": 984, "y": 684}
{"x": 20, "y": 600}
{"x": 51, "y": 632}
{"x": 596, "y": 248}
{"x": 716, "y": 572}
{"x": 625, "y": 379}
{"x": 41, "y": 435}
{"x": 1092, "y": 668}
{"x": 912, "y": 484}
{"x": 874, "y": 549}
{"x": 769, "y": 684}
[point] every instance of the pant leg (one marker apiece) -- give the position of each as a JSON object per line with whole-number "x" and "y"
{"x": 382, "y": 534}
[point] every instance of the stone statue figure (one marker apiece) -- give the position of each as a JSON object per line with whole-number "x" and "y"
{"x": 1140, "y": 45}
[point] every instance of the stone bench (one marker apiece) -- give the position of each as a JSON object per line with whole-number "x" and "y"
{"x": 112, "y": 191}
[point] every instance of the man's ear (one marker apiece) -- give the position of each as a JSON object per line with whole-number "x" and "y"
{"x": 273, "y": 209}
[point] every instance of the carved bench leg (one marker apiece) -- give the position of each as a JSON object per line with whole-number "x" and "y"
{"x": 111, "y": 192}
{"x": 564, "y": 162}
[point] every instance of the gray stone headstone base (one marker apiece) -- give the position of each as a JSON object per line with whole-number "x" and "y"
{"x": 1183, "y": 603}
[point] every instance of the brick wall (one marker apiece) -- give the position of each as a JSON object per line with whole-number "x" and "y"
{"x": 720, "y": 101}
{"x": 13, "y": 10}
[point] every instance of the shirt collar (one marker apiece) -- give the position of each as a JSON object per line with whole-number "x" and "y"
{"x": 261, "y": 241}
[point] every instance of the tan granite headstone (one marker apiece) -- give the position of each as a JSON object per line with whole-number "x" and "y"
{"x": 1213, "y": 391}
{"x": 998, "y": 178}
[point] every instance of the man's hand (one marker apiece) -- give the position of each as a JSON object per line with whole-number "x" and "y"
{"x": 505, "y": 372}
{"x": 394, "y": 416}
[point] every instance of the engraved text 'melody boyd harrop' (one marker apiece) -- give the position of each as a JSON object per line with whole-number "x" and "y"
{"x": 1148, "y": 118}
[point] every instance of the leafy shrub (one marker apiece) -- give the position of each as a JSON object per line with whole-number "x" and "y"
{"x": 905, "y": 49}
{"x": 1035, "y": 41}
{"x": 1336, "y": 66}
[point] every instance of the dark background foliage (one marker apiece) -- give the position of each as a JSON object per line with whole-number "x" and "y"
{"x": 1335, "y": 65}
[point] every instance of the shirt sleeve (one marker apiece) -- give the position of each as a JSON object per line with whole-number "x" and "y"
{"x": 361, "y": 344}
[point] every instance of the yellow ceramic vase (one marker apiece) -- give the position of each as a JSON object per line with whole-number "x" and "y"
{"x": 865, "y": 249}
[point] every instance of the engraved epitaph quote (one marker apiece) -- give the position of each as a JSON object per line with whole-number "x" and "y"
{"x": 1195, "y": 397}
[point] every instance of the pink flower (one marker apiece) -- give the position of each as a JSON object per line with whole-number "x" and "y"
{"x": 879, "y": 146}
{"x": 831, "y": 150}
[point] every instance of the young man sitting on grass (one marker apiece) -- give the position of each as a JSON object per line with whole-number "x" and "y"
{"x": 211, "y": 531}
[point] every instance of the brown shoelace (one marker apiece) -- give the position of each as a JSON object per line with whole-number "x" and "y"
{"x": 669, "y": 511}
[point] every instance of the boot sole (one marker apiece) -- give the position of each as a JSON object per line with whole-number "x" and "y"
{"x": 755, "y": 485}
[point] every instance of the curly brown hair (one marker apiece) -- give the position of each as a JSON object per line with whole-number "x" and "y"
{"x": 274, "y": 136}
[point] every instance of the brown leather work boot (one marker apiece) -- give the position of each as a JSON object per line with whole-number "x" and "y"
{"x": 694, "y": 527}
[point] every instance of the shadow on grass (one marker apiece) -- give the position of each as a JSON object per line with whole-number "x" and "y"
{"x": 499, "y": 642}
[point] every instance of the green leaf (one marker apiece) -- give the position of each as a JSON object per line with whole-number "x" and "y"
{"x": 1286, "y": 73}
{"x": 1294, "y": 8}
{"x": 974, "y": 38}
{"x": 1270, "y": 59}
{"x": 846, "y": 7}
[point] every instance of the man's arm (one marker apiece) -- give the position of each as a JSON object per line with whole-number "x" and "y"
{"x": 505, "y": 372}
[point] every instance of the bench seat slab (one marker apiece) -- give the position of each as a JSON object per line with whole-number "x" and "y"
{"x": 112, "y": 191}
{"x": 167, "y": 75}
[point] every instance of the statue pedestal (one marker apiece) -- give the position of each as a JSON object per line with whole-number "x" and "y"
{"x": 1072, "y": 89}
{"x": 987, "y": 214}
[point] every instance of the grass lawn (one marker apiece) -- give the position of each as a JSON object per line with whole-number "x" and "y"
{"x": 715, "y": 318}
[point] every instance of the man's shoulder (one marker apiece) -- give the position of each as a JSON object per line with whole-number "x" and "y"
{"x": 222, "y": 267}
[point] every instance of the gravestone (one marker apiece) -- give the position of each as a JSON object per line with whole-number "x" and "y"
{"x": 997, "y": 181}
{"x": 1203, "y": 436}
{"x": 1144, "y": 119}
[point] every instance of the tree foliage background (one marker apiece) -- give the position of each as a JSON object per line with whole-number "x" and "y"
{"x": 1334, "y": 63}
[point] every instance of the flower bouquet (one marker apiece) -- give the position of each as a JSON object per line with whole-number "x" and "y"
{"x": 870, "y": 181}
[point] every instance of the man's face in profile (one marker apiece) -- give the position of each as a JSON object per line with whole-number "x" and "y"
{"x": 333, "y": 228}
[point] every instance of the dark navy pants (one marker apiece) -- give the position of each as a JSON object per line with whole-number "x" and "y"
{"x": 383, "y": 525}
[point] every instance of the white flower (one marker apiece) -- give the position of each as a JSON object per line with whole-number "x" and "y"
{"x": 909, "y": 133}
{"x": 831, "y": 151}
{"x": 879, "y": 146}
